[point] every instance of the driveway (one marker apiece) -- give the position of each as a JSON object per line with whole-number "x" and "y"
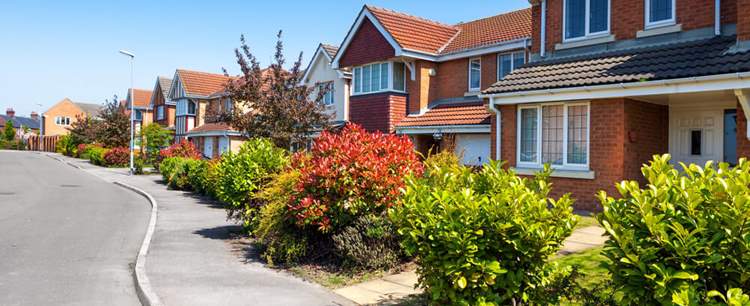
{"x": 66, "y": 237}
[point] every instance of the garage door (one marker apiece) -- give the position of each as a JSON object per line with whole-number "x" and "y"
{"x": 475, "y": 148}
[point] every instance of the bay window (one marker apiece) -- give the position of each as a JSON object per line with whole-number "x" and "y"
{"x": 506, "y": 63}
{"x": 475, "y": 74}
{"x": 660, "y": 12}
{"x": 555, "y": 134}
{"x": 584, "y": 18}
{"x": 379, "y": 77}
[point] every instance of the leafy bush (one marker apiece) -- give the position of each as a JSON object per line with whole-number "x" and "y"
{"x": 117, "y": 157}
{"x": 352, "y": 174}
{"x": 245, "y": 173}
{"x": 183, "y": 149}
{"x": 483, "y": 238}
{"x": 682, "y": 239}
{"x": 156, "y": 138}
{"x": 96, "y": 155}
{"x": 196, "y": 172}
{"x": 65, "y": 146}
{"x": 175, "y": 171}
{"x": 9, "y": 134}
{"x": 371, "y": 242}
{"x": 138, "y": 164}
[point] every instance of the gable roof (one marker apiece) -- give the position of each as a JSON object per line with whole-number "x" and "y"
{"x": 142, "y": 98}
{"x": 473, "y": 113}
{"x": 438, "y": 41}
{"x": 165, "y": 84}
{"x": 20, "y": 121}
{"x": 201, "y": 84}
{"x": 90, "y": 109}
{"x": 687, "y": 59}
{"x": 331, "y": 50}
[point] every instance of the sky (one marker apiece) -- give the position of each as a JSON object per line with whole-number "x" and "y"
{"x": 53, "y": 49}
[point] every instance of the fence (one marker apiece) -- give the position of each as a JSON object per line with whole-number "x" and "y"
{"x": 43, "y": 143}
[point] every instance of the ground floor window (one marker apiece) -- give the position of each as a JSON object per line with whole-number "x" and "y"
{"x": 555, "y": 134}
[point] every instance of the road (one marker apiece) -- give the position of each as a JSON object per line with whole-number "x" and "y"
{"x": 66, "y": 236}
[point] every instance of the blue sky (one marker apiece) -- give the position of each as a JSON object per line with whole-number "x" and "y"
{"x": 55, "y": 49}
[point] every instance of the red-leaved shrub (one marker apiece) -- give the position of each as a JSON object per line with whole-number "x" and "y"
{"x": 183, "y": 148}
{"x": 117, "y": 157}
{"x": 350, "y": 174}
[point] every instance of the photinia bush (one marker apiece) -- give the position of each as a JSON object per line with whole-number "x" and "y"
{"x": 117, "y": 157}
{"x": 683, "y": 239}
{"x": 351, "y": 174}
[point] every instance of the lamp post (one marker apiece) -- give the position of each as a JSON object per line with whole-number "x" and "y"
{"x": 132, "y": 111}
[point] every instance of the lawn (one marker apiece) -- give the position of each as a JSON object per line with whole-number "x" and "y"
{"x": 589, "y": 265}
{"x": 586, "y": 221}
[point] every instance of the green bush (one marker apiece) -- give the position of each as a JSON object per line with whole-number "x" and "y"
{"x": 96, "y": 156}
{"x": 371, "y": 243}
{"x": 681, "y": 239}
{"x": 175, "y": 171}
{"x": 66, "y": 146}
{"x": 196, "y": 173}
{"x": 138, "y": 164}
{"x": 483, "y": 238}
{"x": 243, "y": 174}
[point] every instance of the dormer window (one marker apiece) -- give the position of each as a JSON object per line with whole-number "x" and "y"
{"x": 585, "y": 18}
{"x": 660, "y": 13}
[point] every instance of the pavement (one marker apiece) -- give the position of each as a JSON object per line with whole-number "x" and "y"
{"x": 67, "y": 238}
{"x": 190, "y": 261}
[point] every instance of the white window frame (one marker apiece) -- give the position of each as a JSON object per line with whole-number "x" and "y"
{"x": 160, "y": 112}
{"x": 647, "y": 15}
{"x": 565, "y": 165}
{"x": 475, "y": 89}
{"x": 512, "y": 61}
{"x": 388, "y": 88}
{"x": 586, "y": 33}
{"x": 330, "y": 94}
{"x": 62, "y": 120}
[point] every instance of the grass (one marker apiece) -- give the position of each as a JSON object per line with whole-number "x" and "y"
{"x": 586, "y": 221}
{"x": 589, "y": 265}
{"x": 333, "y": 278}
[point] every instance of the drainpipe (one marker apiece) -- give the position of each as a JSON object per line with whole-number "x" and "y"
{"x": 543, "y": 38}
{"x": 498, "y": 124}
{"x": 717, "y": 17}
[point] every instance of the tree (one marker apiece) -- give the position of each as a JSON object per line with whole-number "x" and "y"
{"x": 9, "y": 133}
{"x": 84, "y": 129}
{"x": 278, "y": 108}
{"x": 156, "y": 138}
{"x": 115, "y": 125}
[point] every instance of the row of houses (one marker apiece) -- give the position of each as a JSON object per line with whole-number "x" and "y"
{"x": 592, "y": 87}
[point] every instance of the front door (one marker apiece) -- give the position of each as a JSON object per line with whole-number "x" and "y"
{"x": 730, "y": 136}
{"x": 696, "y": 136}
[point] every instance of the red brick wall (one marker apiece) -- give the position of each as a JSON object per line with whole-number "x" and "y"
{"x": 742, "y": 10}
{"x": 377, "y": 112}
{"x": 367, "y": 46}
{"x": 647, "y": 128}
{"x": 628, "y": 18}
{"x": 743, "y": 144}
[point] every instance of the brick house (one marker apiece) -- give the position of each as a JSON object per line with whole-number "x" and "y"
{"x": 58, "y": 118}
{"x": 32, "y": 122}
{"x": 213, "y": 138}
{"x": 611, "y": 83}
{"x": 163, "y": 109}
{"x": 191, "y": 92}
{"x": 421, "y": 78}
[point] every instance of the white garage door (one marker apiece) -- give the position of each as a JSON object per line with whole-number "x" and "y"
{"x": 223, "y": 145}
{"x": 208, "y": 147}
{"x": 475, "y": 148}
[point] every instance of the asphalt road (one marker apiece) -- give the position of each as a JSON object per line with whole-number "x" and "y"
{"x": 66, "y": 236}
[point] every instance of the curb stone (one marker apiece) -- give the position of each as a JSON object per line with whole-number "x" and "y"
{"x": 146, "y": 293}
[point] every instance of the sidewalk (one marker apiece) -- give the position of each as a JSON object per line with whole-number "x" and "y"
{"x": 390, "y": 289}
{"x": 191, "y": 263}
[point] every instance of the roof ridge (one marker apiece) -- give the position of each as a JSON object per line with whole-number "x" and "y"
{"x": 203, "y": 72}
{"x": 370, "y": 7}
{"x": 492, "y": 16}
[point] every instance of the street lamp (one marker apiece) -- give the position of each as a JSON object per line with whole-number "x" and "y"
{"x": 132, "y": 111}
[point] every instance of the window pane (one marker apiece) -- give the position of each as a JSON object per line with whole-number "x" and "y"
{"x": 366, "y": 79}
{"x": 599, "y": 18}
{"x": 578, "y": 133}
{"x": 506, "y": 65}
{"x": 660, "y": 10}
{"x": 518, "y": 60}
{"x": 475, "y": 71}
{"x": 528, "y": 135}
{"x": 552, "y": 134}
{"x": 399, "y": 76}
{"x": 384, "y": 76}
{"x": 696, "y": 140}
{"x": 357, "y": 80}
{"x": 375, "y": 80}
{"x": 575, "y": 18}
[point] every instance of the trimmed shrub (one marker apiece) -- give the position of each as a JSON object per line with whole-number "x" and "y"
{"x": 65, "y": 146}
{"x": 196, "y": 172}
{"x": 351, "y": 174}
{"x": 96, "y": 155}
{"x": 371, "y": 242}
{"x": 117, "y": 157}
{"x": 483, "y": 238}
{"x": 175, "y": 171}
{"x": 243, "y": 174}
{"x": 184, "y": 149}
{"x": 682, "y": 239}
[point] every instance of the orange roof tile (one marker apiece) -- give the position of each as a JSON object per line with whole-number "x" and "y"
{"x": 212, "y": 127}
{"x": 423, "y": 35}
{"x": 142, "y": 97}
{"x": 198, "y": 83}
{"x": 450, "y": 114}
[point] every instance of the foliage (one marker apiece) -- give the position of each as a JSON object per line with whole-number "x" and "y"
{"x": 371, "y": 242}
{"x": 183, "y": 148}
{"x": 681, "y": 239}
{"x": 283, "y": 111}
{"x": 174, "y": 170}
{"x": 12, "y": 145}
{"x": 196, "y": 172}
{"x": 65, "y": 146}
{"x": 9, "y": 133}
{"x": 351, "y": 174}
{"x": 117, "y": 157}
{"x": 246, "y": 172}
{"x": 156, "y": 138}
{"x": 483, "y": 238}
{"x": 113, "y": 130}
{"x": 138, "y": 165}
{"x": 96, "y": 155}
{"x": 84, "y": 129}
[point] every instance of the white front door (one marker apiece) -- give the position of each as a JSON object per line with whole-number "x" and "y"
{"x": 696, "y": 136}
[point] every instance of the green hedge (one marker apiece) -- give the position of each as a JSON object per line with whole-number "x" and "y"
{"x": 96, "y": 155}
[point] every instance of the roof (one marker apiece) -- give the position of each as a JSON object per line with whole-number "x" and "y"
{"x": 142, "y": 97}
{"x": 685, "y": 59}
{"x": 20, "y": 121}
{"x": 165, "y": 84}
{"x": 89, "y": 108}
{"x": 330, "y": 49}
{"x": 202, "y": 84}
{"x": 423, "y": 35}
{"x": 212, "y": 127}
{"x": 450, "y": 114}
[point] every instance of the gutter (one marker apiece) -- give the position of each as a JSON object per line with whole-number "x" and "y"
{"x": 543, "y": 38}
{"x": 498, "y": 124}
{"x": 717, "y": 17}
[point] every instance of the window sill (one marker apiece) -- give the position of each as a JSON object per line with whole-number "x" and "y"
{"x": 585, "y": 42}
{"x": 659, "y": 30}
{"x": 472, "y": 93}
{"x": 561, "y": 173}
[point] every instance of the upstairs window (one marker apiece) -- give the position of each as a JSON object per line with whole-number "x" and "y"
{"x": 475, "y": 74}
{"x": 660, "y": 12}
{"x": 190, "y": 108}
{"x": 228, "y": 105}
{"x": 64, "y": 121}
{"x": 506, "y": 63}
{"x": 584, "y": 18}
{"x": 160, "y": 112}
{"x": 138, "y": 114}
{"x": 379, "y": 77}
{"x": 328, "y": 96}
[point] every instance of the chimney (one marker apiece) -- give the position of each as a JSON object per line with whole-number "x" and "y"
{"x": 34, "y": 116}
{"x": 10, "y": 112}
